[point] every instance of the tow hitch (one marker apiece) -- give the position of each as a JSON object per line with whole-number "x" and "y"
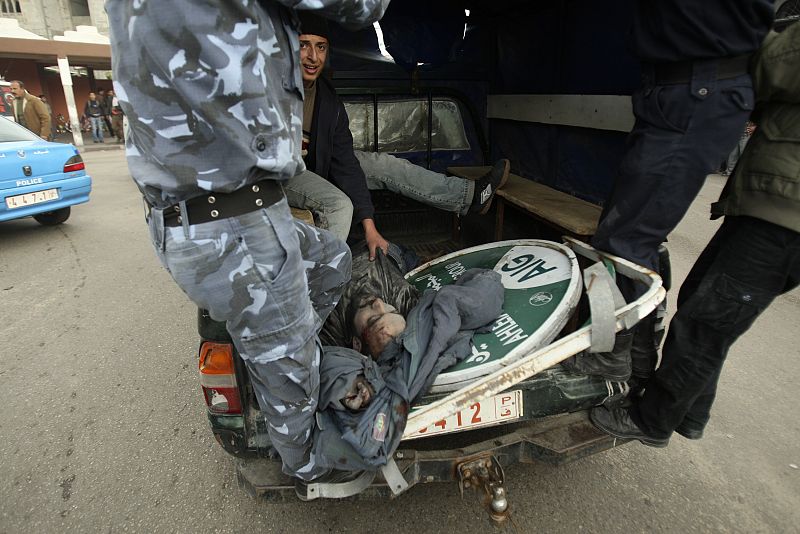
{"x": 486, "y": 474}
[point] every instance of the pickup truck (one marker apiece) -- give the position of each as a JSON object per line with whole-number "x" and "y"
{"x": 546, "y": 86}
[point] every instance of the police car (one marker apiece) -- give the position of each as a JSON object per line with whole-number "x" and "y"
{"x": 38, "y": 178}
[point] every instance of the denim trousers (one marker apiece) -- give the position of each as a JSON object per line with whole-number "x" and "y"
{"x": 681, "y": 133}
{"x": 331, "y": 207}
{"x": 334, "y": 210}
{"x": 97, "y": 128}
{"x": 273, "y": 280}
{"x": 746, "y": 265}
{"x": 447, "y": 193}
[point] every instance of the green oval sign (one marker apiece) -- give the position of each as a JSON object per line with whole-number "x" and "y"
{"x": 542, "y": 288}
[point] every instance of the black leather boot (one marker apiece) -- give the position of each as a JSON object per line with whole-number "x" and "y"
{"x": 614, "y": 365}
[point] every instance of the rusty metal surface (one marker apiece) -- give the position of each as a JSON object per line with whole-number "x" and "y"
{"x": 485, "y": 476}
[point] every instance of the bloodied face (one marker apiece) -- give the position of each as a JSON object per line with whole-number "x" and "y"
{"x": 376, "y": 323}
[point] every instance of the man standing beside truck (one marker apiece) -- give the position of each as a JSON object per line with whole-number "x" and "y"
{"x": 212, "y": 93}
{"x": 753, "y": 258}
{"x": 695, "y": 98}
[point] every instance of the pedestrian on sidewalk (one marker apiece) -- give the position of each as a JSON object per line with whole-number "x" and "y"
{"x": 116, "y": 117}
{"x": 29, "y": 111}
{"x": 94, "y": 111}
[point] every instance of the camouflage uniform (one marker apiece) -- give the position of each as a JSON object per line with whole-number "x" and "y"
{"x": 212, "y": 92}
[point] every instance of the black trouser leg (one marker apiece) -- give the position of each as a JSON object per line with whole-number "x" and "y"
{"x": 678, "y": 139}
{"x": 747, "y": 264}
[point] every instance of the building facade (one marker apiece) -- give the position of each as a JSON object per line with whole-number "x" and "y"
{"x": 56, "y": 47}
{"x": 49, "y": 18}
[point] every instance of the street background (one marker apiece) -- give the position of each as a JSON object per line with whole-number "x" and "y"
{"x": 103, "y": 425}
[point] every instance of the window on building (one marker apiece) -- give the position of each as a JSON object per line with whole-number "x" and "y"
{"x": 10, "y": 6}
{"x": 79, "y": 8}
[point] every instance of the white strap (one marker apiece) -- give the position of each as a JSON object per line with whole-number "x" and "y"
{"x": 322, "y": 490}
{"x": 604, "y": 298}
{"x": 394, "y": 478}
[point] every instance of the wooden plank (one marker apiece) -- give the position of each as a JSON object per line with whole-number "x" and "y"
{"x": 562, "y": 210}
{"x": 573, "y": 214}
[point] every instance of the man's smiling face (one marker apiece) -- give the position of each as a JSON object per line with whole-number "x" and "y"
{"x": 313, "y": 52}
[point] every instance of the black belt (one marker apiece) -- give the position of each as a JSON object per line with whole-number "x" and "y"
{"x": 681, "y": 71}
{"x": 216, "y": 206}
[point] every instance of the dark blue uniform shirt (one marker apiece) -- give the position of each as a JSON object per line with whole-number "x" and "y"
{"x": 681, "y": 30}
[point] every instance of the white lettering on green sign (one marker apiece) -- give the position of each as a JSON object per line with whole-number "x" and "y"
{"x": 433, "y": 282}
{"x": 479, "y": 354}
{"x": 455, "y": 269}
{"x": 507, "y": 330}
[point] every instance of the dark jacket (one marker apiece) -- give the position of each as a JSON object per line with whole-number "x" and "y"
{"x": 766, "y": 181}
{"x": 332, "y": 145}
{"x": 93, "y": 108}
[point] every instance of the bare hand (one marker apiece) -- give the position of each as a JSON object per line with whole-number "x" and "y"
{"x": 374, "y": 239}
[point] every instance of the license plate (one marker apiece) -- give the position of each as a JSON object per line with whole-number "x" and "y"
{"x": 500, "y": 409}
{"x": 29, "y": 199}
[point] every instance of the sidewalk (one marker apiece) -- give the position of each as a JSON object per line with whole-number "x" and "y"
{"x": 88, "y": 145}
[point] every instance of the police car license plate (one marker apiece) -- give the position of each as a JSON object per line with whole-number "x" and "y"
{"x": 28, "y": 199}
{"x": 497, "y": 410}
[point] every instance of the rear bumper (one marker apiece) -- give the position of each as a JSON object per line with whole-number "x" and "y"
{"x": 548, "y": 394}
{"x": 555, "y": 440}
{"x": 71, "y": 191}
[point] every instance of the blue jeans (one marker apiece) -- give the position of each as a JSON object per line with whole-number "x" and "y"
{"x": 273, "y": 280}
{"x": 334, "y": 210}
{"x": 97, "y": 128}
{"x": 682, "y": 132}
{"x": 448, "y": 193}
{"x": 746, "y": 265}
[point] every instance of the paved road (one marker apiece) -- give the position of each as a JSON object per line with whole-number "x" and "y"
{"x": 102, "y": 426}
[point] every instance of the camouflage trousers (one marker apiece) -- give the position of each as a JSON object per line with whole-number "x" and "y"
{"x": 273, "y": 280}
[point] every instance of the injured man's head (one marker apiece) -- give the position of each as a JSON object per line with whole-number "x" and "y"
{"x": 376, "y": 323}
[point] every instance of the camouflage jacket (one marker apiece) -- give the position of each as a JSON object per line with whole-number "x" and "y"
{"x": 212, "y": 89}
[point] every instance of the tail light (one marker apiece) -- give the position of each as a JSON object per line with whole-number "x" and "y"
{"x": 75, "y": 163}
{"x": 218, "y": 378}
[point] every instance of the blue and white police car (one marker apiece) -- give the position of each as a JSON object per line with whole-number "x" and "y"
{"x": 39, "y": 179}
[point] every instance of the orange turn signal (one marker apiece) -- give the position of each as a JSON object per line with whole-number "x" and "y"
{"x": 216, "y": 359}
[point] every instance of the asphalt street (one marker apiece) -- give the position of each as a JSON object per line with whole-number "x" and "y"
{"x": 103, "y": 427}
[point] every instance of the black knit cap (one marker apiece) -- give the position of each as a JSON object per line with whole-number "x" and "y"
{"x": 313, "y": 24}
